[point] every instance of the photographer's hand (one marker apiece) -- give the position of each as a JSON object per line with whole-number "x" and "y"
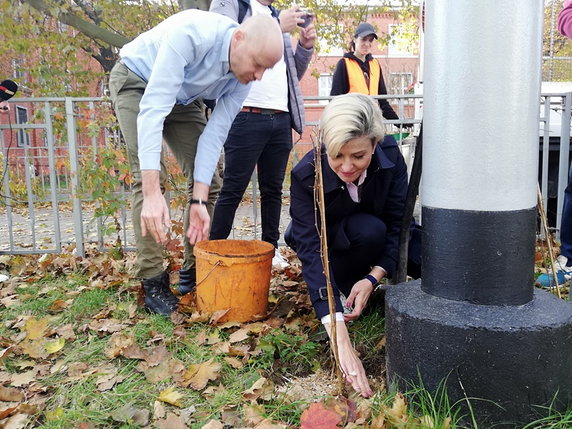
{"x": 308, "y": 36}
{"x": 290, "y": 18}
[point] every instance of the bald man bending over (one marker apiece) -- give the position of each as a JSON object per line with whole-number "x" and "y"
{"x": 156, "y": 89}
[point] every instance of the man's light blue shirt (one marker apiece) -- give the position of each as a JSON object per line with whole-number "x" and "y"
{"x": 183, "y": 58}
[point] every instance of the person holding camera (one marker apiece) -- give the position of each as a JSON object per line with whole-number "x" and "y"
{"x": 272, "y": 109}
{"x": 359, "y": 72}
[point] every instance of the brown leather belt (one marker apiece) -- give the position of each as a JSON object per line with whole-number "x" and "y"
{"x": 261, "y": 110}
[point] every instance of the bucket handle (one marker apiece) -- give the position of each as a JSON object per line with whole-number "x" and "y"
{"x": 219, "y": 262}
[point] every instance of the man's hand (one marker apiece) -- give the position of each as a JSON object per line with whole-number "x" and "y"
{"x": 199, "y": 223}
{"x": 290, "y": 18}
{"x": 308, "y": 36}
{"x": 155, "y": 213}
{"x": 4, "y": 107}
{"x": 358, "y": 298}
{"x": 199, "y": 219}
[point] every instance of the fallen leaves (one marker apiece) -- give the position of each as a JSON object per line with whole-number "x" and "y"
{"x": 198, "y": 375}
{"x": 156, "y": 355}
{"x": 170, "y": 396}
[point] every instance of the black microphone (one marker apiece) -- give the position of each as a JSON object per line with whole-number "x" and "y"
{"x": 7, "y": 89}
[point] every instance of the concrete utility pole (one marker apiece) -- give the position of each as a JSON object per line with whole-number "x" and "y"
{"x": 475, "y": 319}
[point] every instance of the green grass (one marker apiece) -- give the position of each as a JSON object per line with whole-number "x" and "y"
{"x": 279, "y": 354}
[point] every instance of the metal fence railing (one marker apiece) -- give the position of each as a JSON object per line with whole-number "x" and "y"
{"x": 63, "y": 179}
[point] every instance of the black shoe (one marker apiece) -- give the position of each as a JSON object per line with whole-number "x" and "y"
{"x": 187, "y": 281}
{"x": 158, "y": 295}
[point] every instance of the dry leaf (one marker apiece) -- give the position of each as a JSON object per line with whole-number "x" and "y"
{"x": 213, "y": 424}
{"x": 172, "y": 422}
{"x": 256, "y": 390}
{"x": 397, "y": 414}
{"x": 234, "y": 362}
{"x": 221, "y": 348}
{"x": 253, "y": 414}
{"x": 35, "y": 349}
{"x": 170, "y": 396}
{"x": 7, "y": 412}
{"x": 204, "y": 338}
{"x": 378, "y": 422}
{"x": 238, "y": 336}
{"x": 23, "y": 378}
{"x": 117, "y": 343}
{"x": 427, "y": 421}
{"x": 54, "y": 346}
{"x": 107, "y": 325}
{"x": 36, "y": 328}
{"x": 107, "y": 381}
{"x": 17, "y": 421}
{"x": 10, "y": 394}
{"x": 58, "y": 306}
{"x": 217, "y": 315}
{"x": 157, "y": 373}
{"x": 76, "y": 369}
{"x": 158, "y": 410}
{"x": 198, "y": 375}
{"x": 66, "y": 332}
{"x": 129, "y": 413}
{"x": 157, "y": 354}
{"x": 318, "y": 417}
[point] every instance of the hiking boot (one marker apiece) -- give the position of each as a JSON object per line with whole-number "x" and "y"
{"x": 563, "y": 267}
{"x": 158, "y": 295}
{"x": 187, "y": 281}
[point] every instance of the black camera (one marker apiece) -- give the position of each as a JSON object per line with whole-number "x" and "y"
{"x": 307, "y": 17}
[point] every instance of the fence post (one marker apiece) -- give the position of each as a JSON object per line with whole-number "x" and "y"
{"x": 74, "y": 177}
{"x": 53, "y": 174}
{"x": 563, "y": 165}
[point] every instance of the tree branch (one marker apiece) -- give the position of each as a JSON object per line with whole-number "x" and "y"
{"x": 91, "y": 30}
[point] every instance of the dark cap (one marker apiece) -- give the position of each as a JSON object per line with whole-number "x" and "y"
{"x": 7, "y": 89}
{"x": 365, "y": 29}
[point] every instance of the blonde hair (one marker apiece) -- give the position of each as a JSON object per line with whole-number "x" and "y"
{"x": 347, "y": 117}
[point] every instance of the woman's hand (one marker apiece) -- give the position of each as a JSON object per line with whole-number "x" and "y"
{"x": 350, "y": 363}
{"x": 358, "y": 298}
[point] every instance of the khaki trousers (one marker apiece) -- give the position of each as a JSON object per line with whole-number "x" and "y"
{"x": 181, "y": 132}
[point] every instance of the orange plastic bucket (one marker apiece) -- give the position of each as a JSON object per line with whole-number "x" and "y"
{"x": 234, "y": 275}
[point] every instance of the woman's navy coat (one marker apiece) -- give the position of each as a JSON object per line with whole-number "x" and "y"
{"x": 383, "y": 195}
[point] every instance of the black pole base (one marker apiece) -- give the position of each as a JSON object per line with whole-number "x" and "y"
{"x": 510, "y": 361}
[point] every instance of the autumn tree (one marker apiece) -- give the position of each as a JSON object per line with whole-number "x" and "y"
{"x": 66, "y": 46}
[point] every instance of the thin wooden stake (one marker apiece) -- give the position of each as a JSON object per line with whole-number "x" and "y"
{"x": 544, "y": 221}
{"x": 320, "y": 206}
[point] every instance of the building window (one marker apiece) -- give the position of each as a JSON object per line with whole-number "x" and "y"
{"x": 22, "y": 118}
{"x": 324, "y": 86}
{"x": 398, "y": 46}
{"x": 17, "y": 69}
{"x": 400, "y": 83}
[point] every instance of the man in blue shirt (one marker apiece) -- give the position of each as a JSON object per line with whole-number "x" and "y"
{"x": 156, "y": 89}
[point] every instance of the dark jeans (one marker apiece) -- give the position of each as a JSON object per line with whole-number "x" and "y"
{"x": 566, "y": 223}
{"x": 255, "y": 140}
{"x": 354, "y": 249}
{"x": 353, "y": 258}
